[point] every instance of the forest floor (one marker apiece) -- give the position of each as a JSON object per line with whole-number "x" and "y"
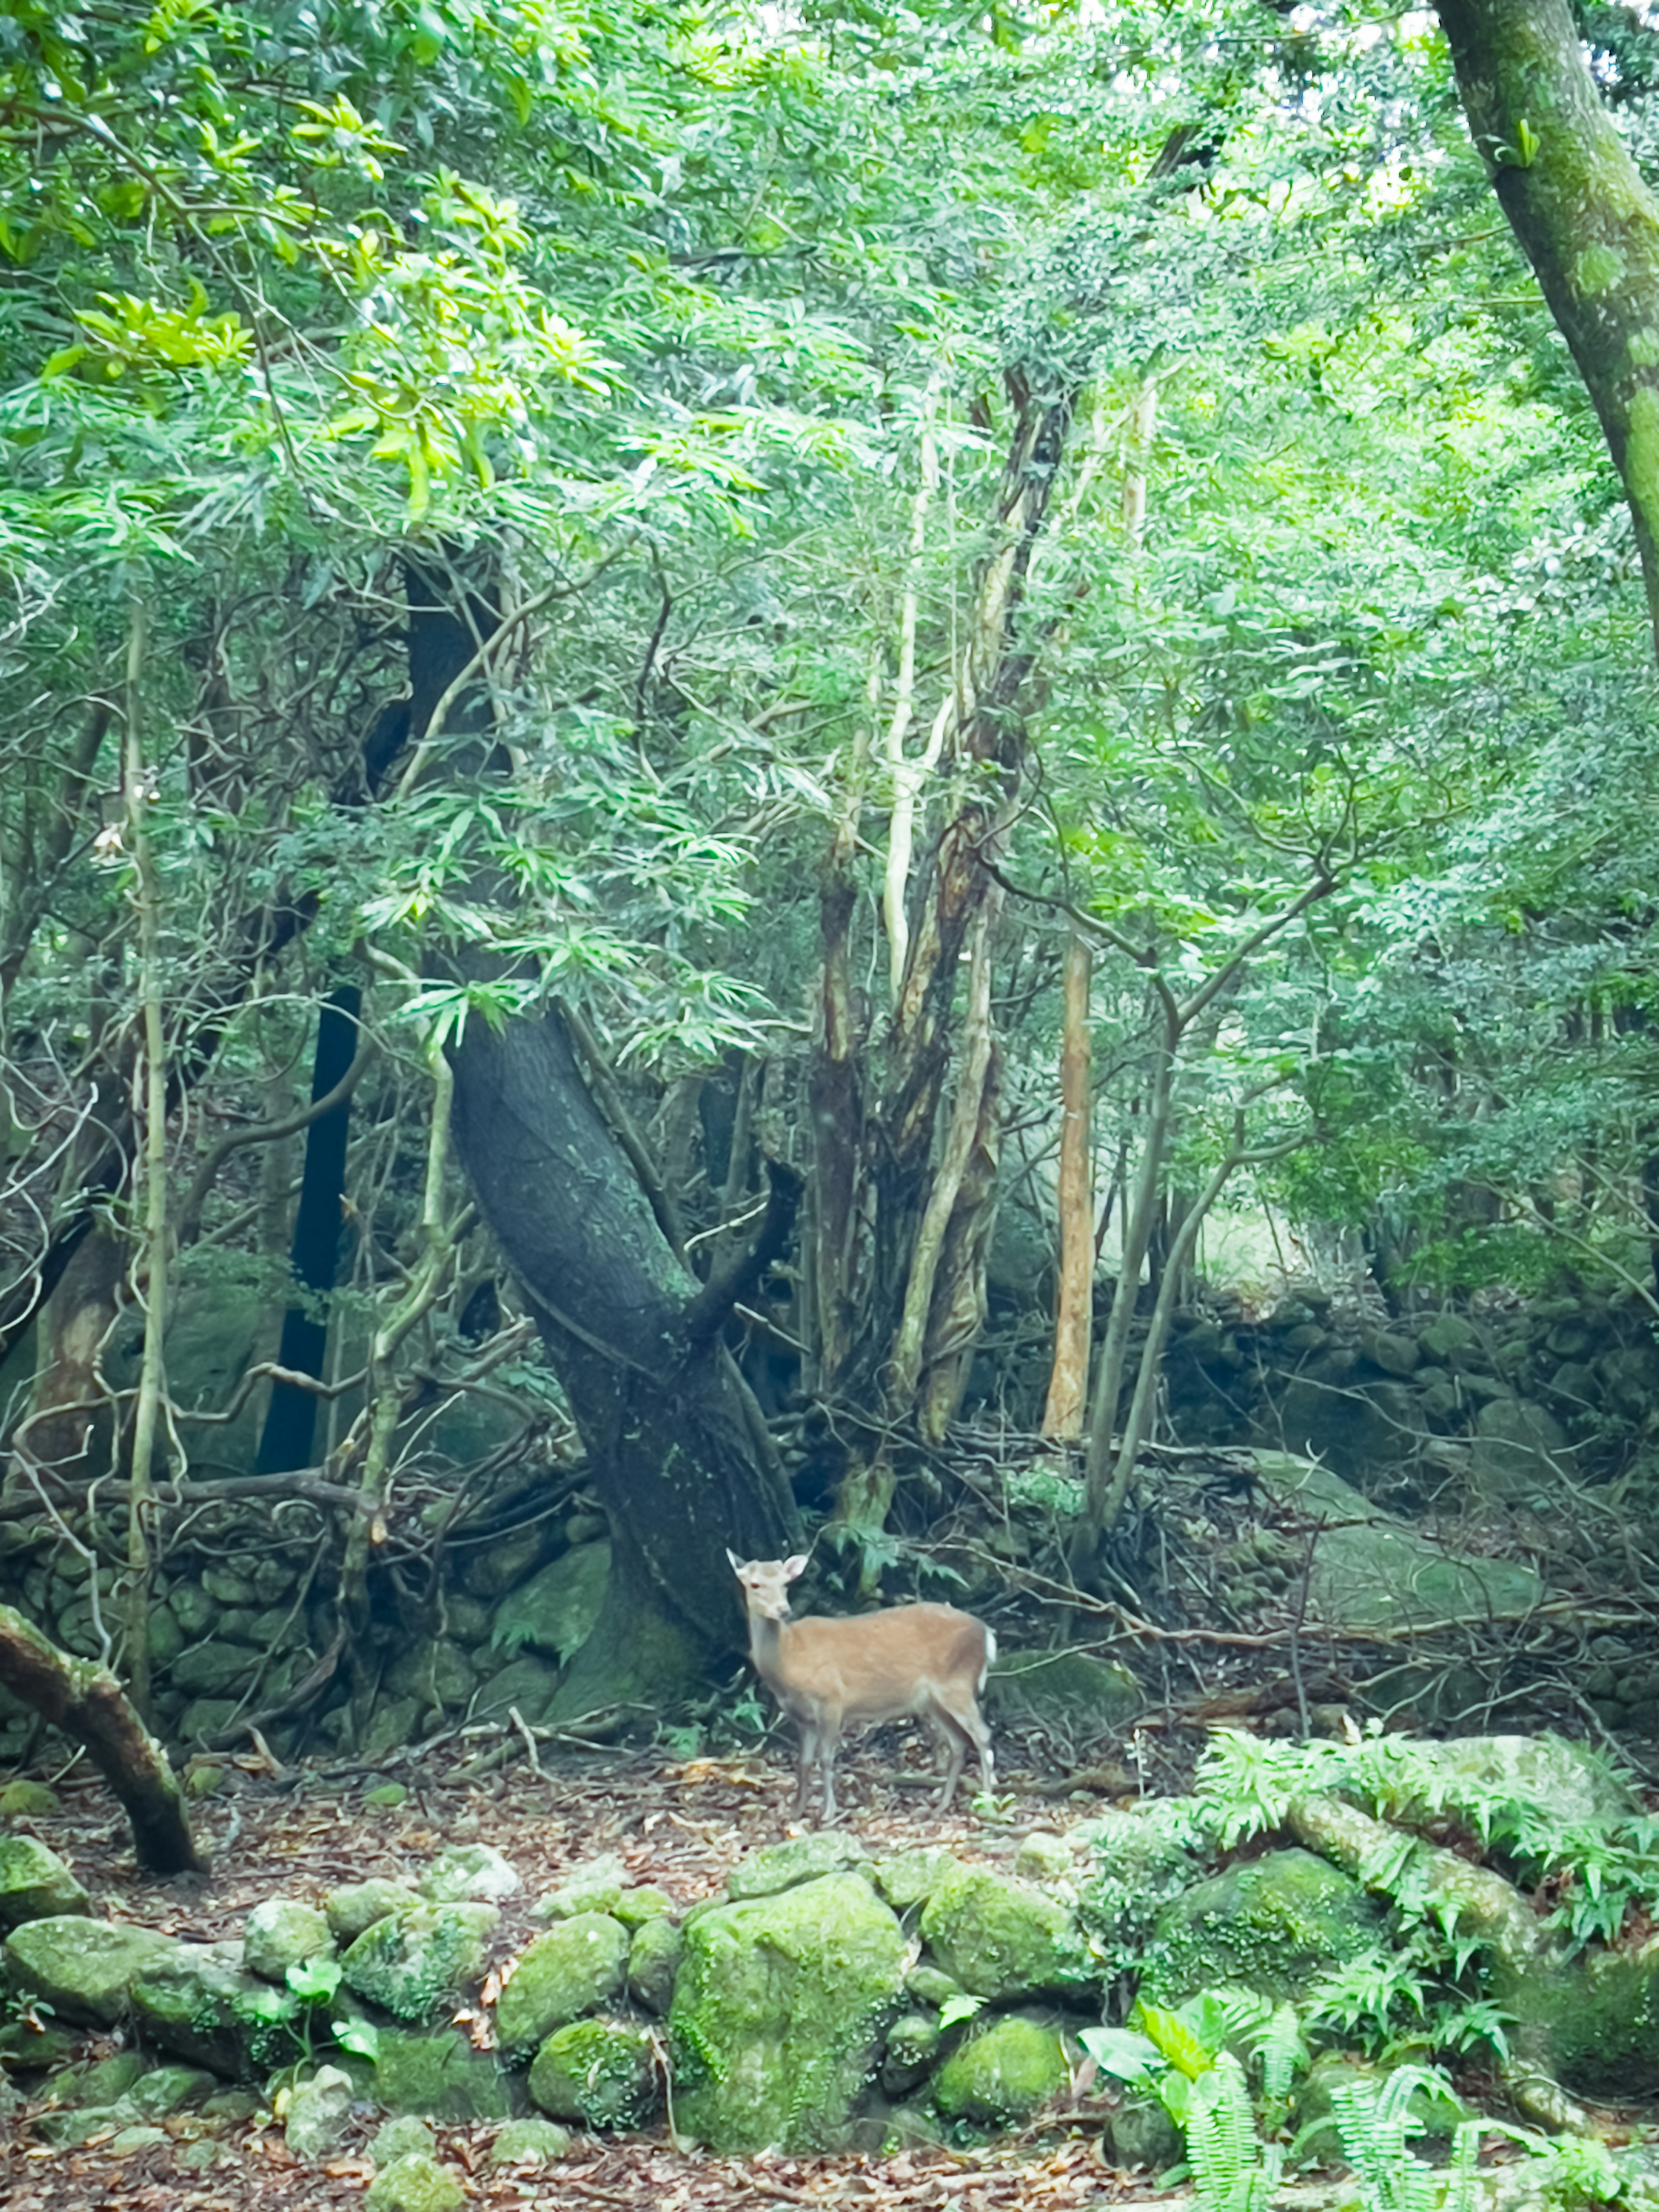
{"x": 681, "y": 1824}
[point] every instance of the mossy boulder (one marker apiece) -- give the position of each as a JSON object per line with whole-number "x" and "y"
{"x": 358, "y": 1904}
{"x": 163, "y": 2089}
{"x": 595, "y": 1885}
{"x": 1270, "y": 1924}
{"x": 35, "y": 1884}
{"x": 81, "y": 1969}
{"x": 578, "y": 1966}
{"x": 635, "y": 1906}
{"x": 281, "y": 1932}
{"x": 910, "y": 1878}
{"x": 404, "y": 2136}
{"x": 780, "y": 1866}
{"x": 1002, "y": 2075}
{"x": 1072, "y": 1687}
{"x": 197, "y": 2003}
{"x": 414, "y": 1962}
{"x": 913, "y": 2042}
{"x": 439, "y": 2075}
{"x": 554, "y": 1612}
{"x": 654, "y": 1959}
{"x": 1141, "y": 1860}
{"x": 470, "y": 1871}
{"x": 602, "y": 2073}
{"x": 530, "y": 2141}
{"x": 780, "y": 2007}
{"x": 1003, "y": 1939}
{"x": 415, "y": 2183}
{"x": 319, "y": 2112}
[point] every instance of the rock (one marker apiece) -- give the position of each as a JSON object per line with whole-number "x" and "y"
{"x": 1395, "y": 1354}
{"x": 470, "y": 1870}
{"x": 913, "y": 2044}
{"x": 207, "y": 1667}
{"x": 1003, "y": 2074}
{"x": 635, "y": 1906}
{"x": 415, "y": 1962}
{"x": 779, "y": 1867}
{"x": 596, "y": 1885}
{"x": 25, "y": 1801}
{"x": 1575, "y": 1781}
{"x": 415, "y": 2184}
{"x": 1306, "y": 1337}
{"x": 318, "y": 2113}
{"x": 206, "y": 1718}
{"x": 467, "y": 1621}
{"x": 1142, "y": 1858}
{"x": 1371, "y": 1570}
{"x": 105, "y": 2082}
{"x": 575, "y": 1968}
{"x": 600, "y": 2072}
{"x": 780, "y": 2007}
{"x": 1043, "y": 1857}
{"x": 388, "y": 1794}
{"x": 165, "y": 2089}
{"x": 527, "y": 1685}
{"x": 1448, "y": 1338}
{"x": 931, "y": 1985}
{"x": 283, "y": 1933}
{"x": 35, "y": 1884}
{"x": 193, "y": 2001}
{"x": 1067, "y": 1686}
{"x": 492, "y": 1572}
{"x": 405, "y": 2136}
{"x": 653, "y": 1958}
{"x": 1144, "y": 2135}
{"x": 359, "y": 1905}
{"x": 910, "y": 1878}
{"x": 434, "y": 1672}
{"x": 1002, "y": 1939}
{"x": 530, "y": 2143}
{"x": 1270, "y": 1924}
{"x": 125, "y": 2141}
{"x": 438, "y": 2074}
{"x": 225, "y": 1587}
{"x": 82, "y": 1968}
{"x": 1518, "y": 1452}
{"x": 390, "y": 1726}
{"x": 585, "y": 1528}
{"x": 1576, "y": 1388}
{"x": 554, "y": 1612}
{"x": 1631, "y": 1376}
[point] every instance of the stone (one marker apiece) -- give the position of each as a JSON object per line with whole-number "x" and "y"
{"x": 27, "y": 1801}
{"x": 493, "y": 1570}
{"x": 164, "y": 1638}
{"x": 206, "y": 1667}
{"x": 1270, "y": 1924}
{"x": 415, "y": 1962}
{"x": 1003, "y": 2074}
{"x": 1447, "y": 1337}
{"x": 1574, "y": 1781}
{"x": 780, "y": 1865}
{"x": 1520, "y": 1450}
{"x": 227, "y": 1588}
{"x": 165, "y": 2089}
{"x": 931, "y": 1985}
{"x": 404, "y": 2136}
{"x": 206, "y": 1718}
{"x": 35, "y": 1884}
{"x": 1043, "y": 1857}
{"x": 415, "y": 2184}
{"x": 440, "y": 2075}
{"x": 525, "y": 1685}
{"x": 387, "y": 1794}
{"x": 1143, "y": 1857}
{"x": 435, "y": 1673}
{"x": 356, "y": 1906}
{"x": 532, "y": 2141}
{"x": 635, "y": 1906}
{"x": 576, "y": 1967}
{"x": 1393, "y": 1353}
{"x": 654, "y": 1959}
{"x": 554, "y": 1612}
{"x": 1143, "y": 2134}
{"x": 595, "y": 1885}
{"x": 105, "y": 2082}
{"x": 470, "y": 1870}
{"x": 281, "y": 1933}
{"x": 913, "y": 2045}
{"x": 1002, "y": 1939}
{"x": 390, "y": 1726}
{"x": 910, "y": 1878}
{"x": 602, "y": 2073}
{"x": 82, "y": 1968}
{"x": 466, "y": 1620}
{"x": 195, "y": 2002}
{"x": 780, "y": 2009}
{"x": 318, "y": 2112}
{"x": 1072, "y": 1687}
{"x": 1576, "y": 1389}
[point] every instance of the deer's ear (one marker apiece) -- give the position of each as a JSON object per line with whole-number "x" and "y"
{"x": 794, "y": 1567}
{"x": 738, "y": 1565}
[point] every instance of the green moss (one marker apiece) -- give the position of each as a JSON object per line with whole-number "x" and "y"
{"x": 601, "y": 2072}
{"x": 1002, "y": 1939}
{"x": 1005, "y": 2074}
{"x": 576, "y": 1967}
{"x": 1596, "y": 270}
{"x": 1642, "y": 455}
{"x": 1643, "y": 348}
{"x": 1270, "y": 1925}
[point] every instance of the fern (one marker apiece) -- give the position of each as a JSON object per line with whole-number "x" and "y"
{"x": 1377, "y": 2123}
{"x": 1232, "y": 2170}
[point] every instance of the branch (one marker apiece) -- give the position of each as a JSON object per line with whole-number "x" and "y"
{"x": 267, "y": 1132}
{"x": 709, "y": 1311}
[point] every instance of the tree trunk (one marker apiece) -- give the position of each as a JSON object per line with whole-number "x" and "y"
{"x": 636, "y": 1342}
{"x": 1584, "y": 218}
{"x": 87, "y": 1704}
{"x": 1068, "y": 1383}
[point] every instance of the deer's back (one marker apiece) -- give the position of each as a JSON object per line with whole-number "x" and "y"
{"x": 880, "y": 1666}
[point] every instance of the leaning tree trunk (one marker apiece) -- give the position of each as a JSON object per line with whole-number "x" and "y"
{"x": 1585, "y": 217}
{"x": 636, "y": 1340}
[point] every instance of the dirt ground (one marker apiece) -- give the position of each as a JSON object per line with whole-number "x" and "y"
{"x": 681, "y": 1825}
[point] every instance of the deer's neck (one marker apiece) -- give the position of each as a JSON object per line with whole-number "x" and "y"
{"x": 766, "y": 1645}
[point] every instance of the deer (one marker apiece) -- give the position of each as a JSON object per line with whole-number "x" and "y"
{"x": 926, "y": 1661}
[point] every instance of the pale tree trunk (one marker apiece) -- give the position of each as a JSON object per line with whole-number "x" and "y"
{"x": 1584, "y": 217}
{"x": 1069, "y": 1381}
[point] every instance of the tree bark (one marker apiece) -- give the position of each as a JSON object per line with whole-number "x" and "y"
{"x": 87, "y": 1704}
{"x": 1068, "y": 1383}
{"x": 1584, "y": 217}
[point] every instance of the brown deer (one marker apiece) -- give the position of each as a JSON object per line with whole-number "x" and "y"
{"x": 928, "y": 1660}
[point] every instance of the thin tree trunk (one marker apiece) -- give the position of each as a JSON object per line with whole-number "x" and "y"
{"x": 1074, "y": 1319}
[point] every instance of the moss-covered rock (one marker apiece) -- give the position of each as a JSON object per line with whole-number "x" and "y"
{"x": 910, "y": 1878}
{"x": 102, "y": 2082}
{"x": 1043, "y": 1857}
{"x": 913, "y": 2042}
{"x": 1002, "y": 1939}
{"x": 1074, "y": 1687}
{"x": 532, "y": 2141}
{"x": 433, "y": 1671}
{"x": 1002, "y": 2075}
{"x": 932, "y": 1985}
{"x": 357, "y": 1905}
{"x": 161, "y": 2090}
{"x": 579, "y": 1965}
{"x": 439, "y": 2075}
{"x": 470, "y": 1871}
{"x": 27, "y": 1801}
{"x": 635, "y": 1906}
{"x": 317, "y": 2113}
{"x": 1143, "y": 2134}
{"x": 193, "y": 2001}
{"x": 82, "y": 1969}
{"x": 554, "y": 1612}
{"x": 600, "y": 2072}
{"x": 35, "y": 1884}
{"x": 654, "y": 1959}
{"x": 1141, "y": 1860}
{"x": 596, "y": 1885}
{"x": 779, "y": 2007}
{"x": 404, "y": 2136}
{"x": 1270, "y": 1924}
{"x": 414, "y": 1962}
{"x": 415, "y": 2183}
{"x": 780, "y": 1865}
{"x": 281, "y": 1932}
